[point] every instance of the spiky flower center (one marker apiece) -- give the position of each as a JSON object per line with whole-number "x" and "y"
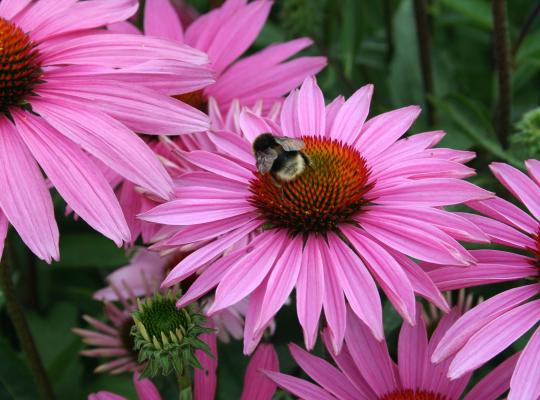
{"x": 161, "y": 315}
{"x": 413, "y": 395}
{"x": 329, "y": 191}
{"x": 195, "y": 99}
{"x": 19, "y": 66}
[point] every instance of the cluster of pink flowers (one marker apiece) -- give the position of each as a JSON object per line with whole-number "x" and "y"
{"x": 148, "y": 137}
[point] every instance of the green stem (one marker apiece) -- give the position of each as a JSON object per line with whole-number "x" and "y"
{"x": 26, "y": 341}
{"x": 423, "y": 35}
{"x": 503, "y": 61}
{"x": 184, "y": 385}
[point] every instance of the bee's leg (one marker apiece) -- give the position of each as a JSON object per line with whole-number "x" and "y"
{"x": 276, "y": 182}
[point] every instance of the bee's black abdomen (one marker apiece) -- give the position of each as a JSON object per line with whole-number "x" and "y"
{"x": 263, "y": 142}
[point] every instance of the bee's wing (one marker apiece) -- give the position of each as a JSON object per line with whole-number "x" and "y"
{"x": 289, "y": 144}
{"x": 265, "y": 159}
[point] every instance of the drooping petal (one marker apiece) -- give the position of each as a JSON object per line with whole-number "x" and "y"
{"x": 387, "y": 271}
{"x": 281, "y": 281}
{"x": 249, "y": 272}
{"x": 252, "y": 125}
{"x": 357, "y": 284}
{"x": 110, "y": 141}
{"x": 24, "y": 198}
{"x": 525, "y": 383}
{"x": 75, "y": 177}
{"x": 3, "y": 232}
{"x": 520, "y": 185}
{"x": 10, "y": 8}
{"x": 256, "y": 385}
{"x": 161, "y": 20}
{"x": 413, "y": 359}
{"x": 494, "y": 338}
{"x": 310, "y": 291}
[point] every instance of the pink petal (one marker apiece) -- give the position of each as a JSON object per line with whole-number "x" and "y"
{"x": 525, "y": 383}
{"x": 256, "y": 385}
{"x": 252, "y": 338}
{"x": 350, "y": 118}
{"x": 281, "y": 281}
{"x": 335, "y": 310}
{"x": 236, "y": 34}
{"x": 382, "y": 131}
{"x": 494, "y": 384}
{"x": 520, "y": 185}
{"x": 431, "y": 192}
{"x": 388, "y": 273}
{"x": 494, "y": 338}
{"x": 533, "y": 166}
{"x": 506, "y": 212}
{"x": 205, "y": 379}
{"x": 161, "y": 20}
{"x": 371, "y": 357}
{"x": 473, "y": 320}
{"x": 413, "y": 359}
{"x": 3, "y": 231}
{"x": 311, "y": 110}
{"x": 124, "y": 27}
{"x": 206, "y": 253}
{"x": 233, "y": 145}
{"x": 249, "y": 272}
{"x": 414, "y": 238}
{"x": 219, "y": 165}
{"x": 116, "y": 50}
{"x": 325, "y": 374}
{"x": 288, "y": 118}
{"x": 9, "y": 8}
{"x": 75, "y": 177}
{"x": 252, "y": 125}
{"x": 187, "y": 212}
{"x": 110, "y": 141}
{"x": 299, "y": 387}
{"x": 357, "y": 284}
{"x": 421, "y": 282}
{"x": 310, "y": 291}
{"x": 332, "y": 111}
{"x": 24, "y": 199}
{"x": 146, "y": 390}
{"x": 500, "y": 233}
{"x": 416, "y": 168}
{"x": 84, "y": 15}
{"x": 139, "y": 108}
{"x": 103, "y": 395}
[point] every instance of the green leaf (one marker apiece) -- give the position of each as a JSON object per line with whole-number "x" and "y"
{"x": 16, "y": 382}
{"x": 476, "y": 11}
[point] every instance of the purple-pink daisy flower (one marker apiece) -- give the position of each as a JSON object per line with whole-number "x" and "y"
{"x": 495, "y": 324}
{"x": 369, "y": 202}
{"x": 365, "y": 370}
{"x": 71, "y": 94}
{"x": 225, "y": 33}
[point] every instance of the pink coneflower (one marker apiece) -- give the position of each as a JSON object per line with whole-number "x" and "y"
{"x": 365, "y": 369}
{"x": 492, "y": 326}
{"x": 145, "y": 389}
{"x": 367, "y": 202}
{"x": 225, "y": 33}
{"x": 68, "y": 91}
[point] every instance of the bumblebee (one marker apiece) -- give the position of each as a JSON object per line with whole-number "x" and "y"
{"x": 281, "y": 156}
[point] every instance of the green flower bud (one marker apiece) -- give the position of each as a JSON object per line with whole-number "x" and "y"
{"x": 525, "y": 142}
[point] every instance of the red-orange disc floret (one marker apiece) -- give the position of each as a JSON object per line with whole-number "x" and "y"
{"x": 19, "y": 66}
{"x": 414, "y": 395}
{"x": 329, "y": 192}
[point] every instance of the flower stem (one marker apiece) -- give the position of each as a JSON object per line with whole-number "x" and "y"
{"x": 424, "y": 47}
{"x": 16, "y": 313}
{"x": 503, "y": 61}
{"x": 184, "y": 385}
